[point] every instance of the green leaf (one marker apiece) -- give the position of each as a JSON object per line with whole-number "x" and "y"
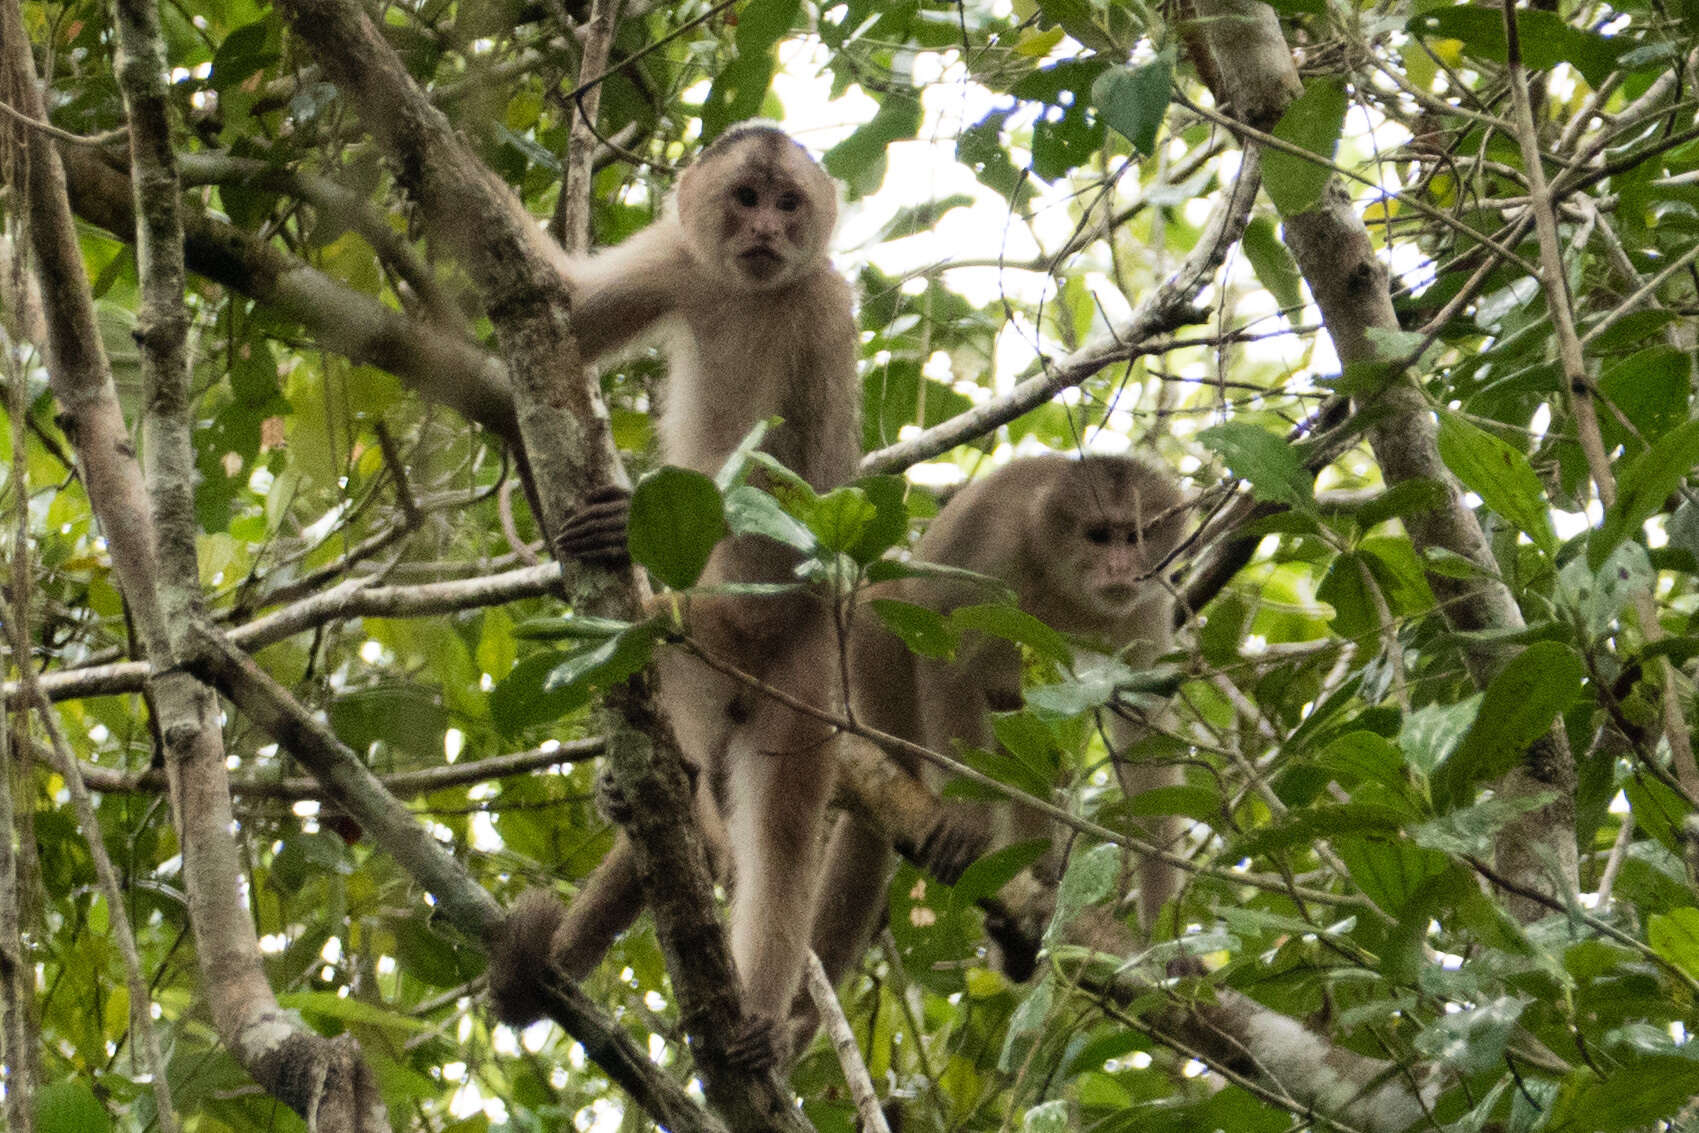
{"x": 604, "y": 664}
{"x": 1474, "y": 1039}
{"x": 1343, "y": 587}
{"x": 1473, "y": 829}
{"x": 1274, "y": 266}
{"x": 1365, "y": 756}
{"x": 859, "y": 161}
{"x": 1012, "y": 624}
{"x": 1090, "y": 877}
{"x": 1134, "y": 100}
{"x": 924, "y": 631}
{"x": 995, "y": 870}
{"x": 841, "y": 517}
{"x": 1639, "y": 1094}
{"x": 1643, "y": 487}
{"x": 350, "y": 1010}
{"x": 1546, "y": 39}
{"x": 70, "y": 1107}
{"x": 1304, "y": 827}
{"x": 740, "y": 86}
{"x": 1412, "y": 497}
{"x": 676, "y": 518}
{"x": 1313, "y": 122}
{"x": 1500, "y": 475}
{"x": 1025, "y": 1025}
{"x": 731, "y": 472}
{"x": 889, "y": 526}
{"x": 1054, "y": 1116}
{"x": 1675, "y": 937}
{"x": 1267, "y": 462}
{"x": 1517, "y": 708}
{"x": 1650, "y": 388}
{"x": 750, "y": 511}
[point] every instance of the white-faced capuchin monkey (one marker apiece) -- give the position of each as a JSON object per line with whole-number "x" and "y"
{"x": 735, "y": 281}
{"x": 1080, "y": 543}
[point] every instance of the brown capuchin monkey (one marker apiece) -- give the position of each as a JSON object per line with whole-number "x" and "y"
{"x": 1081, "y": 543}
{"x": 735, "y": 282}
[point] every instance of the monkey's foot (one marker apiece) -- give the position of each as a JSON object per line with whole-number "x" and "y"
{"x": 758, "y": 1044}
{"x": 519, "y": 958}
{"x": 596, "y": 532}
{"x": 959, "y": 836}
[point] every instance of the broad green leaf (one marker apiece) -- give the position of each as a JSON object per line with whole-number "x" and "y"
{"x": 1365, "y": 756}
{"x": 750, "y": 511}
{"x": 1472, "y": 830}
{"x": 731, "y": 472}
{"x": 1090, "y": 877}
{"x": 1306, "y": 826}
{"x": 1643, "y": 487}
{"x": 1546, "y": 38}
{"x": 676, "y": 518}
{"x": 1026, "y": 1024}
{"x": 1412, "y": 497}
{"x": 889, "y": 526}
{"x": 1500, "y": 475}
{"x": 1313, "y": 122}
{"x": 608, "y": 663}
{"x": 1134, "y": 100}
{"x": 351, "y": 1010}
{"x": 70, "y": 1107}
{"x": 924, "y": 631}
{"x": 1630, "y": 1097}
{"x": 1675, "y": 937}
{"x": 1517, "y": 708}
{"x": 1267, "y": 462}
{"x": 1597, "y": 597}
{"x": 1651, "y": 389}
{"x": 995, "y": 870}
{"x": 1343, "y": 587}
{"x": 1474, "y": 1039}
{"x": 1014, "y": 625}
{"x": 740, "y": 87}
{"x": 1274, "y": 266}
{"x": 859, "y": 161}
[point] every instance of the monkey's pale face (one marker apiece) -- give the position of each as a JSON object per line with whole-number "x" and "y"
{"x": 759, "y": 215}
{"x": 1109, "y": 535}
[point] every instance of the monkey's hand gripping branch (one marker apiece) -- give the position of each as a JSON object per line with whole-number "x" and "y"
{"x": 597, "y": 532}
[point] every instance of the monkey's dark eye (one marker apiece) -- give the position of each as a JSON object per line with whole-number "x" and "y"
{"x": 789, "y": 202}
{"x": 1132, "y": 536}
{"x": 746, "y": 196}
{"x": 1098, "y": 535}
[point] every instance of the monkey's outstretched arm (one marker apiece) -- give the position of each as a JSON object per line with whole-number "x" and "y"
{"x": 619, "y": 293}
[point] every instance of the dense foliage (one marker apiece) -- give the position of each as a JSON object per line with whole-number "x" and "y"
{"x": 1017, "y": 175}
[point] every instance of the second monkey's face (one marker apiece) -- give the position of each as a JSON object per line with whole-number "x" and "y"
{"x": 1112, "y": 522}
{"x": 757, "y": 211}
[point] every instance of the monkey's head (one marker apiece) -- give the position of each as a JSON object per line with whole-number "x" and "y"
{"x": 1107, "y": 523}
{"x": 757, "y": 211}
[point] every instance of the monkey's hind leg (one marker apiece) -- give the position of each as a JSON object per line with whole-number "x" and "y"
{"x": 778, "y": 783}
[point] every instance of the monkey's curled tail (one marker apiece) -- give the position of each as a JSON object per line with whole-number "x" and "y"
{"x": 521, "y": 955}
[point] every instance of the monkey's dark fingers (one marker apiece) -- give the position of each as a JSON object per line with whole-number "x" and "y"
{"x": 1017, "y": 942}
{"x": 757, "y": 1045}
{"x": 958, "y": 837}
{"x": 597, "y": 531}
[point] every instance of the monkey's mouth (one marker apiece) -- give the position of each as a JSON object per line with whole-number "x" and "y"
{"x": 760, "y": 262}
{"x": 1117, "y": 596}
